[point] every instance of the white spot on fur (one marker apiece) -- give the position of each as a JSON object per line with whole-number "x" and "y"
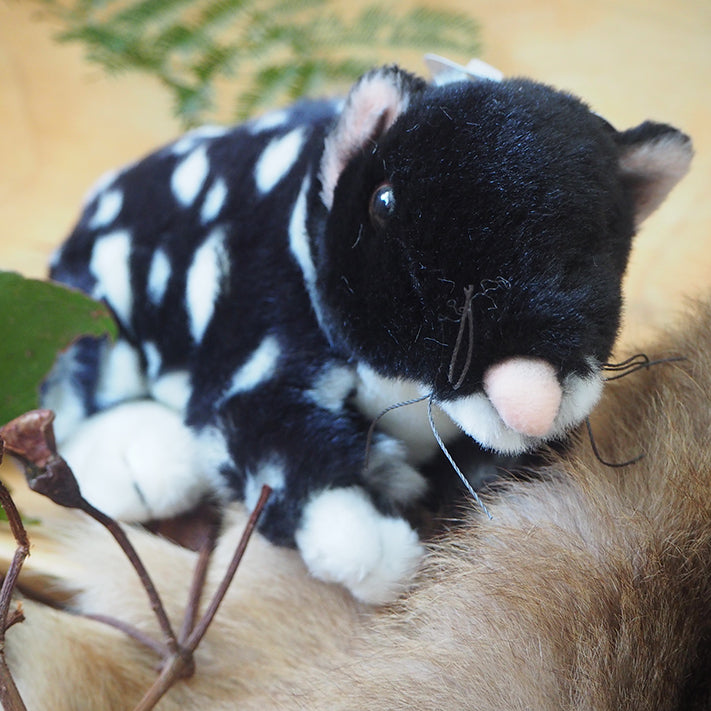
{"x": 120, "y": 374}
{"x": 277, "y": 159}
{"x": 154, "y": 361}
{"x": 137, "y": 461}
{"x": 258, "y": 368}
{"x": 299, "y": 244}
{"x": 198, "y": 135}
{"x": 61, "y": 396}
{"x": 158, "y": 276}
{"x": 189, "y": 176}
{"x": 344, "y": 539}
{"x": 173, "y": 390}
{"x": 109, "y": 205}
{"x": 270, "y": 473}
{"x": 332, "y": 386}
{"x": 389, "y": 473}
{"x": 110, "y": 265}
{"x": 269, "y": 121}
{"x": 205, "y": 279}
{"x": 56, "y": 256}
{"x": 99, "y": 186}
{"x": 214, "y": 201}
{"x": 409, "y": 423}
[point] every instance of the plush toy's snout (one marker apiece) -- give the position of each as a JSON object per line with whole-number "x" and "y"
{"x": 523, "y": 404}
{"x": 526, "y": 394}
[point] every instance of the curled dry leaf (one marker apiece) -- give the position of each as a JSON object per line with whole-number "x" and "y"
{"x": 30, "y": 438}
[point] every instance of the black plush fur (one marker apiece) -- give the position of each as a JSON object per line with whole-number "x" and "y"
{"x": 509, "y": 185}
{"x": 512, "y": 188}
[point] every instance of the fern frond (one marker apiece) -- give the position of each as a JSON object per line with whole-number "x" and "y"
{"x": 146, "y": 12}
{"x": 274, "y": 50}
{"x": 279, "y": 83}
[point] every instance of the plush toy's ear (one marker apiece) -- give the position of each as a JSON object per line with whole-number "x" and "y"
{"x": 372, "y": 106}
{"x": 654, "y": 158}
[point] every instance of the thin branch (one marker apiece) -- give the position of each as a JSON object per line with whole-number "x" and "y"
{"x": 180, "y": 663}
{"x": 31, "y": 439}
{"x": 199, "y": 632}
{"x": 198, "y": 585}
{"x": 9, "y": 694}
{"x": 173, "y": 670}
{"x": 22, "y": 551}
{"x": 146, "y": 581}
{"x": 130, "y": 631}
{"x": 10, "y": 698}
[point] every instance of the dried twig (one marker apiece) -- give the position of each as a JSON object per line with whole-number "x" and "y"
{"x": 30, "y": 438}
{"x": 176, "y": 666}
{"x": 156, "y": 603}
{"x": 9, "y": 694}
{"x": 198, "y": 584}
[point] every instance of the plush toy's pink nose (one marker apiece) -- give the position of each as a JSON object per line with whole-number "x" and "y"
{"x": 526, "y": 394}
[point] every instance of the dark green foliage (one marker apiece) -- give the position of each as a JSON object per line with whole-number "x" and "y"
{"x": 38, "y": 319}
{"x": 270, "y": 51}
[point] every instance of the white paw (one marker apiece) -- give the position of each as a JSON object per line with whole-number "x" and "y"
{"x": 343, "y": 538}
{"x": 136, "y": 461}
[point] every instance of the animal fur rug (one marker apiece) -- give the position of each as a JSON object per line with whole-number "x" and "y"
{"x": 590, "y": 588}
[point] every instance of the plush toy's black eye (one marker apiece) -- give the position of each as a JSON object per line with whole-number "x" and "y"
{"x": 382, "y": 205}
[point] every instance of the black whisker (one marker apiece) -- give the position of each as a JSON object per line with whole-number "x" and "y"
{"x": 373, "y": 424}
{"x": 623, "y": 369}
{"x": 598, "y": 456}
{"x": 466, "y": 323}
{"x": 446, "y": 453}
{"x": 429, "y": 397}
{"x": 635, "y": 363}
{"x": 637, "y": 359}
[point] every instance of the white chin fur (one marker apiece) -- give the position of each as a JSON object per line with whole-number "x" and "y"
{"x": 479, "y": 419}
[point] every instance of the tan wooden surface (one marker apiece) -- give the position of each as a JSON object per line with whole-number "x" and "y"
{"x": 62, "y": 122}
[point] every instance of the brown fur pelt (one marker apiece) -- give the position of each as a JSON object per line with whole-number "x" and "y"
{"x": 589, "y": 589}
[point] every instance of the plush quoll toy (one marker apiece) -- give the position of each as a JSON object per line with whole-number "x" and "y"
{"x": 277, "y": 284}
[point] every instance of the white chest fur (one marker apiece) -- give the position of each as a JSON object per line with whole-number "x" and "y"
{"x": 410, "y": 424}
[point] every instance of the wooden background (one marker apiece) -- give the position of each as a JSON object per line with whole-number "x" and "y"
{"x": 63, "y": 122}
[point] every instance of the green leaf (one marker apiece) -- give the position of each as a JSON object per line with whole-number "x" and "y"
{"x": 37, "y": 320}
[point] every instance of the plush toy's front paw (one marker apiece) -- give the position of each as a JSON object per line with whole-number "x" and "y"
{"x": 343, "y": 538}
{"x": 136, "y": 461}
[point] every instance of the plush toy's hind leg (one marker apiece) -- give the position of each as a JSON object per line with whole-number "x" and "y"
{"x": 137, "y": 461}
{"x": 342, "y": 513}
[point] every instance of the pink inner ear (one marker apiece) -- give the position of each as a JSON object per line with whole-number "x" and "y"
{"x": 526, "y": 394}
{"x": 655, "y": 168}
{"x": 372, "y": 107}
